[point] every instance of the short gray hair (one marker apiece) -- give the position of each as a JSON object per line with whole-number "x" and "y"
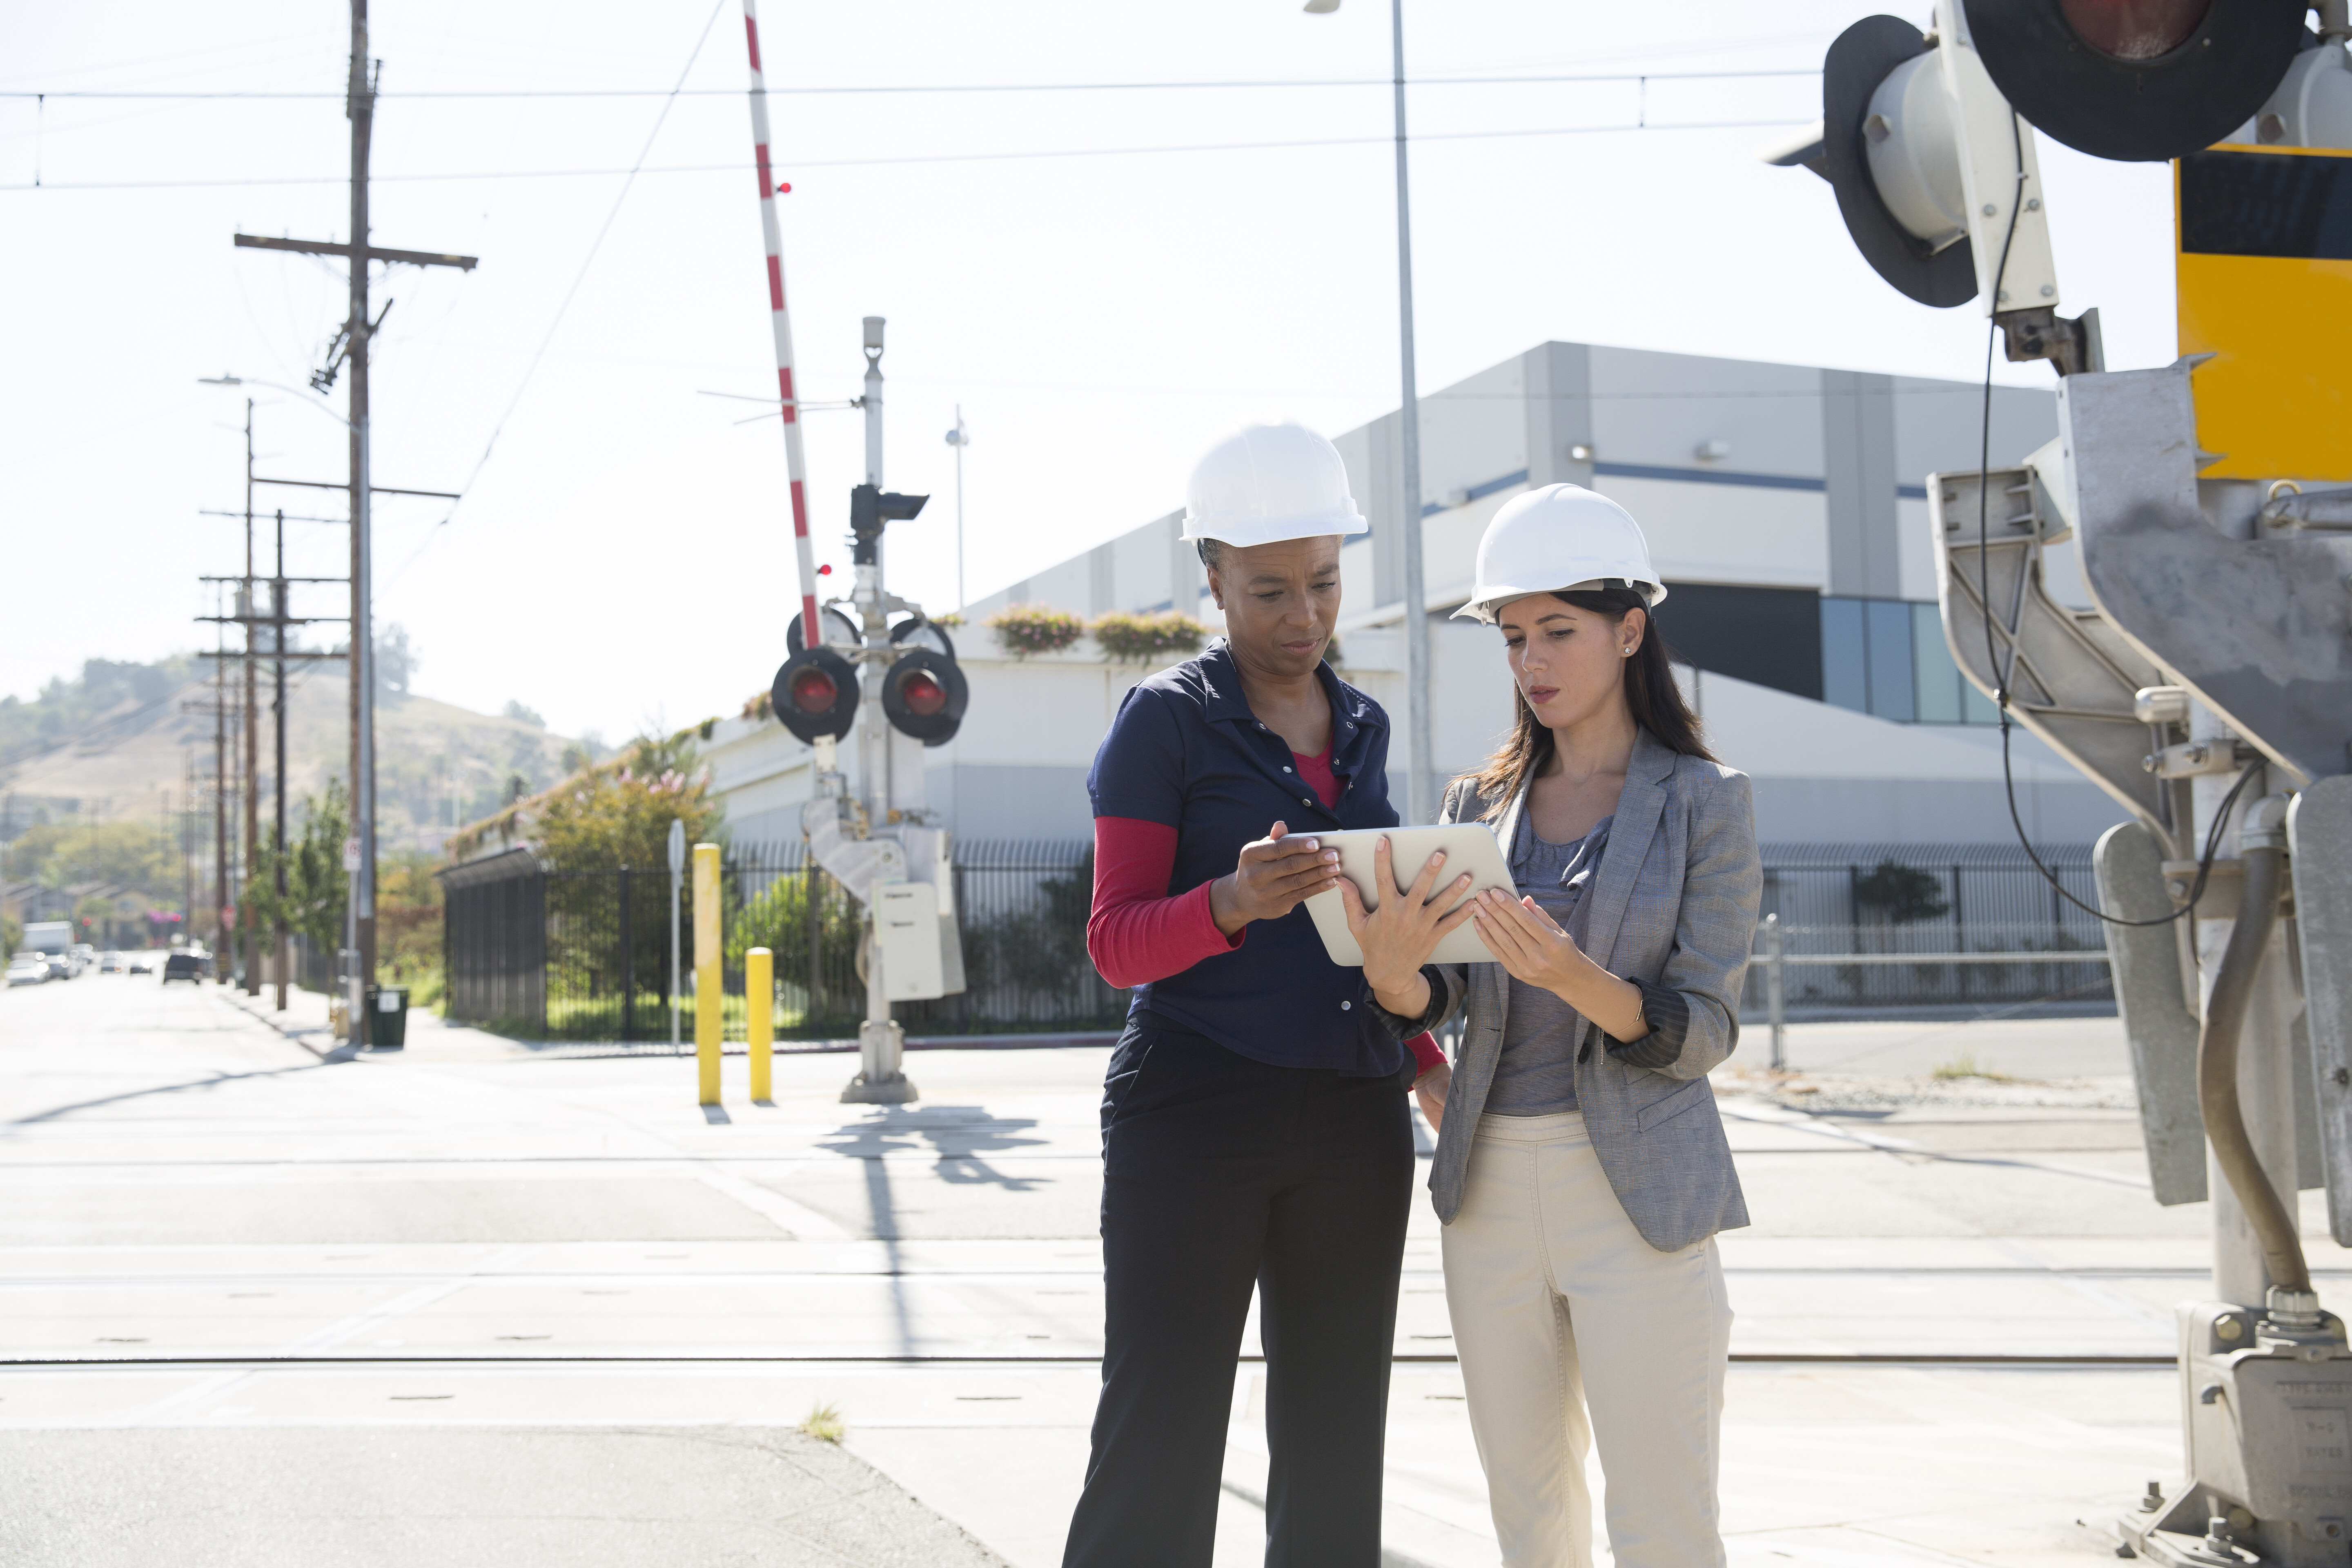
{"x": 1213, "y": 553}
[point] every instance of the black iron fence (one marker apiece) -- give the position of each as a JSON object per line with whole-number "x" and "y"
{"x": 1877, "y": 903}
{"x": 571, "y": 954}
{"x": 574, "y": 954}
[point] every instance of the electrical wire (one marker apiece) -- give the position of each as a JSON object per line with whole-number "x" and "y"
{"x": 588, "y": 261}
{"x": 1984, "y": 594}
{"x": 897, "y": 89}
{"x": 737, "y": 168}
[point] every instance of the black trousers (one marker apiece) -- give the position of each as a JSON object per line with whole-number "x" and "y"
{"x": 1221, "y": 1173}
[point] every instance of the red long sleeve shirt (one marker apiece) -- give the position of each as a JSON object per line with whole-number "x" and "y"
{"x": 1139, "y": 932}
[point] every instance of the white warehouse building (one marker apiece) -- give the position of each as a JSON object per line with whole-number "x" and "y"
{"x": 1785, "y": 507}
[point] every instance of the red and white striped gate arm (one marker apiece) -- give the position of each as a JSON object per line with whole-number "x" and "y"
{"x": 795, "y": 462}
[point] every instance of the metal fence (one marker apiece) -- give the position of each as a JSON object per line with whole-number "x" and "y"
{"x": 570, "y": 955}
{"x": 1863, "y": 925}
{"x": 573, "y": 954}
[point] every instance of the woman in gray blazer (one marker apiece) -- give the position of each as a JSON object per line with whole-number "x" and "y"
{"x": 1581, "y": 1170}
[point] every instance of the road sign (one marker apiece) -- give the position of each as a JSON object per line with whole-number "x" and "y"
{"x": 2263, "y": 243}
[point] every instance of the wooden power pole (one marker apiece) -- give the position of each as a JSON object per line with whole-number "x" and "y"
{"x": 360, "y": 106}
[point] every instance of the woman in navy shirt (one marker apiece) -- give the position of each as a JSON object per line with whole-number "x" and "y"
{"x": 1254, "y": 1130}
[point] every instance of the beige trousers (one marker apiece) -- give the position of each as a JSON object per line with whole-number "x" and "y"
{"x": 1559, "y": 1307}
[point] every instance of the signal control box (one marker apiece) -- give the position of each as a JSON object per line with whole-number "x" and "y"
{"x": 2268, "y": 1413}
{"x": 907, "y": 934}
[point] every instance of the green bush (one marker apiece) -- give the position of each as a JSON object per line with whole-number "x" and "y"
{"x": 1127, "y": 638}
{"x": 1025, "y": 629}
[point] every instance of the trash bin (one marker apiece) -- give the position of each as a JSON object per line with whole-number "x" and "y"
{"x": 388, "y": 1017}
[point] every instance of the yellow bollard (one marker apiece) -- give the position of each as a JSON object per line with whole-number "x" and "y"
{"x": 760, "y": 1022}
{"x": 709, "y": 992}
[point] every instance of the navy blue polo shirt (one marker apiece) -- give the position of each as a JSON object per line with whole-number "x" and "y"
{"x": 1186, "y": 752}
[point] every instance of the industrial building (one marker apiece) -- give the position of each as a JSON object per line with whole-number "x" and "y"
{"x": 1785, "y": 507}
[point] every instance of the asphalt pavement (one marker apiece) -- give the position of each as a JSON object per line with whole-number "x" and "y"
{"x": 471, "y": 1302}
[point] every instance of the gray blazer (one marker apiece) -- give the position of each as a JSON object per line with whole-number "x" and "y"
{"x": 1674, "y": 910}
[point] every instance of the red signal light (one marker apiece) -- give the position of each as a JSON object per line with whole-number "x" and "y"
{"x": 814, "y": 691}
{"x": 923, "y": 695}
{"x": 2134, "y": 29}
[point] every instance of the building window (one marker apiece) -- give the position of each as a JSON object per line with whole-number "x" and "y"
{"x": 1768, "y": 635}
{"x": 1887, "y": 658}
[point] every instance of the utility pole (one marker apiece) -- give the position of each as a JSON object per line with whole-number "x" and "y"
{"x": 358, "y": 923}
{"x": 221, "y": 938}
{"x": 278, "y": 620}
{"x": 278, "y": 716}
{"x": 188, "y": 843}
{"x": 248, "y": 918}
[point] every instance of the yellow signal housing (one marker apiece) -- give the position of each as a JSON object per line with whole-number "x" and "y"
{"x": 2263, "y": 242}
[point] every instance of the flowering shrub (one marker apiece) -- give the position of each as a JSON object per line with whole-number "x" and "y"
{"x": 1127, "y": 639}
{"x": 1024, "y": 629}
{"x": 616, "y": 812}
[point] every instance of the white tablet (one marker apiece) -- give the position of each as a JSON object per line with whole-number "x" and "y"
{"x": 1469, "y": 847}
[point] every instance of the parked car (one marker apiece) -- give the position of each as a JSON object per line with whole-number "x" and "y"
{"x": 28, "y": 968}
{"x": 184, "y": 965}
{"x": 138, "y": 963}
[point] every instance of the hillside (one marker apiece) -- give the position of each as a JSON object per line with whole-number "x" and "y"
{"x": 111, "y": 746}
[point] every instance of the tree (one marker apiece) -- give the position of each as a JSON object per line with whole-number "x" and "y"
{"x": 521, "y": 714}
{"x": 409, "y": 921}
{"x": 1900, "y": 894}
{"x": 395, "y": 663}
{"x": 317, "y": 888}
{"x": 619, "y": 815}
{"x": 134, "y": 855}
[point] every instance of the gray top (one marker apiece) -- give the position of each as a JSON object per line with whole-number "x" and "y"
{"x": 1673, "y": 910}
{"x": 1536, "y": 1074}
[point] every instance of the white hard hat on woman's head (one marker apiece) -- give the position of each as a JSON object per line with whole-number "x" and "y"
{"x": 1266, "y": 483}
{"x": 1561, "y": 539}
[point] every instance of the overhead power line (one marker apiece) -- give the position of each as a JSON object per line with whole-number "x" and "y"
{"x": 738, "y": 168}
{"x": 594, "y": 246}
{"x": 899, "y": 88}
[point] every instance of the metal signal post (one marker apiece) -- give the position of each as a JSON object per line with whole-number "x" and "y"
{"x": 881, "y": 845}
{"x": 2206, "y": 687}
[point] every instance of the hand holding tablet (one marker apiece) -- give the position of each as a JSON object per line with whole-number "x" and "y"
{"x": 1467, "y": 848}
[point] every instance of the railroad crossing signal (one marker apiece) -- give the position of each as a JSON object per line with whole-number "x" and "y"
{"x": 815, "y": 695}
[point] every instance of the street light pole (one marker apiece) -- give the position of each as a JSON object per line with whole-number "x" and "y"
{"x": 1421, "y": 785}
{"x": 958, "y": 439}
{"x": 1420, "y": 768}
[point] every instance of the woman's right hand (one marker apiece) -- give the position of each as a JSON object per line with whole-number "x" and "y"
{"x": 1273, "y": 876}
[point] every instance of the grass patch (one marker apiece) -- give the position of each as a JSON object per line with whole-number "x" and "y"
{"x": 825, "y": 1425}
{"x": 1965, "y": 1065}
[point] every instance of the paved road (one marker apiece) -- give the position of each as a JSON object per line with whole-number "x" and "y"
{"x": 483, "y": 1302}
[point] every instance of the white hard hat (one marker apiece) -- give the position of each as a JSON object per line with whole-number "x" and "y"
{"x": 1561, "y": 539}
{"x": 1266, "y": 483}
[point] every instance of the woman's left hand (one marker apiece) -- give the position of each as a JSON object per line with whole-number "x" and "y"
{"x": 1527, "y": 943}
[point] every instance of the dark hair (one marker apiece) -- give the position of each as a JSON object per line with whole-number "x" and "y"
{"x": 1650, "y": 694}
{"x": 1213, "y": 553}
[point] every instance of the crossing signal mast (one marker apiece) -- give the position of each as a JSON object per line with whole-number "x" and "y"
{"x": 882, "y": 842}
{"x": 2210, "y": 506}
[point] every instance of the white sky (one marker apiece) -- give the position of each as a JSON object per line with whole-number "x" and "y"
{"x": 623, "y": 556}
